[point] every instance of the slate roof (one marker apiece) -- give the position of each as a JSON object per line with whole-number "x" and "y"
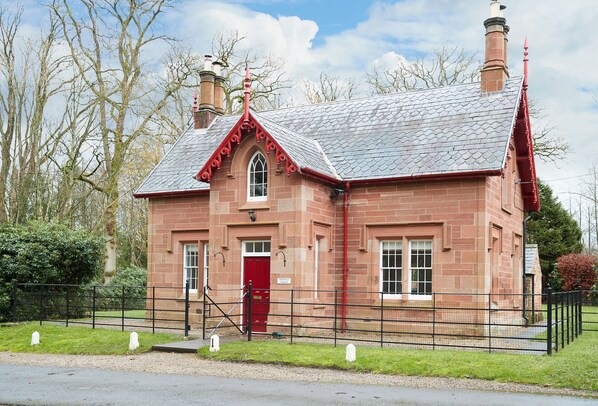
{"x": 531, "y": 252}
{"x": 454, "y": 129}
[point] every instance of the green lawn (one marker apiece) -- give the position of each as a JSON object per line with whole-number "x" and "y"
{"x": 573, "y": 367}
{"x": 76, "y": 340}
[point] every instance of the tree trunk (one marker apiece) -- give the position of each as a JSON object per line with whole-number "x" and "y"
{"x": 110, "y": 235}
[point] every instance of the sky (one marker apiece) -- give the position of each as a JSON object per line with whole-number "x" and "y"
{"x": 346, "y": 37}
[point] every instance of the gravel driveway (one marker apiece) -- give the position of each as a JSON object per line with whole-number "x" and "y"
{"x": 190, "y": 364}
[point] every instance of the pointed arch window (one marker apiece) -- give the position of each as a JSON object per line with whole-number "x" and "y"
{"x": 257, "y": 179}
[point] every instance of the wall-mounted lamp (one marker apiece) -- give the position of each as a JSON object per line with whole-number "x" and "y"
{"x": 223, "y": 260}
{"x": 251, "y": 215}
{"x": 284, "y": 260}
{"x": 336, "y": 192}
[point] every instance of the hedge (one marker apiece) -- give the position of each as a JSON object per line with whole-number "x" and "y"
{"x": 45, "y": 253}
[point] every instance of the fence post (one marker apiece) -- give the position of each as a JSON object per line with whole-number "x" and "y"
{"x": 534, "y": 301}
{"x": 580, "y": 304}
{"x": 187, "y": 308}
{"x": 67, "y": 306}
{"x": 381, "y": 319}
{"x": 203, "y": 312}
{"x": 153, "y": 309}
{"x": 489, "y": 322}
{"x": 335, "y": 315}
{"x": 41, "y": 307}
{"x": 249, "y": 305}
{"x": 93, "y": 308}
{"x": 122, "y": 307}
{"x": 14, "y": 301}
{"x": 433, "y": 320}
{"x": 549, "y": 321}
{"x": 569, "y": 315}
{"x": 556, "y": 323}
{"x": 292, "y": 313}
{"x": 562, "y": 321}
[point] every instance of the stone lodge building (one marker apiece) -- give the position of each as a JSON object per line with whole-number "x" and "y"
{"x": 399, "y": 195}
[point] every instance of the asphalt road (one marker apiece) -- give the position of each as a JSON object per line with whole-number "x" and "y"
{"x": 77, "y": 386}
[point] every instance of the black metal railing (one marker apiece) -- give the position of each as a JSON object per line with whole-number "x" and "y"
{"x": 126, "y": 307}
{"x": 589, "y": 312}
{"x": 489, "y": 322}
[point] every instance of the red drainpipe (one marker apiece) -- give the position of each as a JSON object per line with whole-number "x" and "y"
{"x": 345, "y": 260}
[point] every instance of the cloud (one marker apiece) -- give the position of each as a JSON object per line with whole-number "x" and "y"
{"x": 563, "y": 75}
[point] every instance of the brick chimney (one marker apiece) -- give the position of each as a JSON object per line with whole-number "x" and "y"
{"x": 495, "y": 71}
{"x": 206, "y": 111}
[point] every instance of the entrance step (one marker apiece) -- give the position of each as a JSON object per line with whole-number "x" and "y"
{"x": 182, "y": 346}
{"x": 191, "y": 346}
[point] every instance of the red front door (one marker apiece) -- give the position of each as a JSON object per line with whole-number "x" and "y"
{"x": 257, "y": 270}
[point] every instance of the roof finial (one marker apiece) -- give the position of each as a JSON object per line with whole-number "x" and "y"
{"x": 195, "y": 100}
{"x": 246, "y": 99}
{"x": 525, "y": 61}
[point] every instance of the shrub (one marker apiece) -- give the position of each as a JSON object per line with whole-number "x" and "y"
{"x": 132, "y": 282}
{"x": 45, "y": 253}
{"x": 577, "y": 271}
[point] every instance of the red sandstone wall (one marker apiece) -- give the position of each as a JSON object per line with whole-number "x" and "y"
{"x": 298, "y": 211}
{"x": 504, "y": 250}
{"x": 475, "y": 232}
{"x": 447, "y": 212}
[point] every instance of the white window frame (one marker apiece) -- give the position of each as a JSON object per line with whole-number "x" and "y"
{"x": 187, "y": 267}
{"x": 418, "y": 296}
{"x": 249, "y": 177}
{"x": 206, "y": 263}
{"x": 254, "y": 243}
{"x": 399, "y": 245}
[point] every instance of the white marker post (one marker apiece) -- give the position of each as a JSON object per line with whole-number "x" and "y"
{"x": 133, "y": 341}
{"x": 35, "y": 338}
{"x": 214, "y": 343}
{"x": 351, "y": 353}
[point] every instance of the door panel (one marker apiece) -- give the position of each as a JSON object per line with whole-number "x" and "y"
{"x": 257, "y": 270}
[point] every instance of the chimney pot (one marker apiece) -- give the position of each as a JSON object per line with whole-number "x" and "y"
{"x": 207, "y": 65}
{"x": 496, "y": 9}
{"x": 217, "y": 67}
{"x": 495, "y": 71}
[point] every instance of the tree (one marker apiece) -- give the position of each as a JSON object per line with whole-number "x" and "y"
{"x": 267, "y": 75}
{"x": 108, "y": 41}
{"x": 328, "y": 88}
{"x": 547, "y": 147}
{"x": 36, "y": 78}
{"x": 554, "y": 230}
{"x": 447, "y": 66}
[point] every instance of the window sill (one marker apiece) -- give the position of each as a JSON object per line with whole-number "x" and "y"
{"x": 255, "y": 206}
{"x": 412, "y": 304}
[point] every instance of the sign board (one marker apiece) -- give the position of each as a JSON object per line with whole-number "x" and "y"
{"x": 283, "y": 281}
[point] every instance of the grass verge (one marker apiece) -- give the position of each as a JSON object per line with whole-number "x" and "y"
{"x": 573, "y": 367}
{"x": 76, "y": 340}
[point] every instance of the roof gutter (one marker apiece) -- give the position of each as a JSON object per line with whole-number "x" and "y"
{"x": 435, "y": 176}
{"x": 317, "y": 175}
{"x": 171, "y": 194}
